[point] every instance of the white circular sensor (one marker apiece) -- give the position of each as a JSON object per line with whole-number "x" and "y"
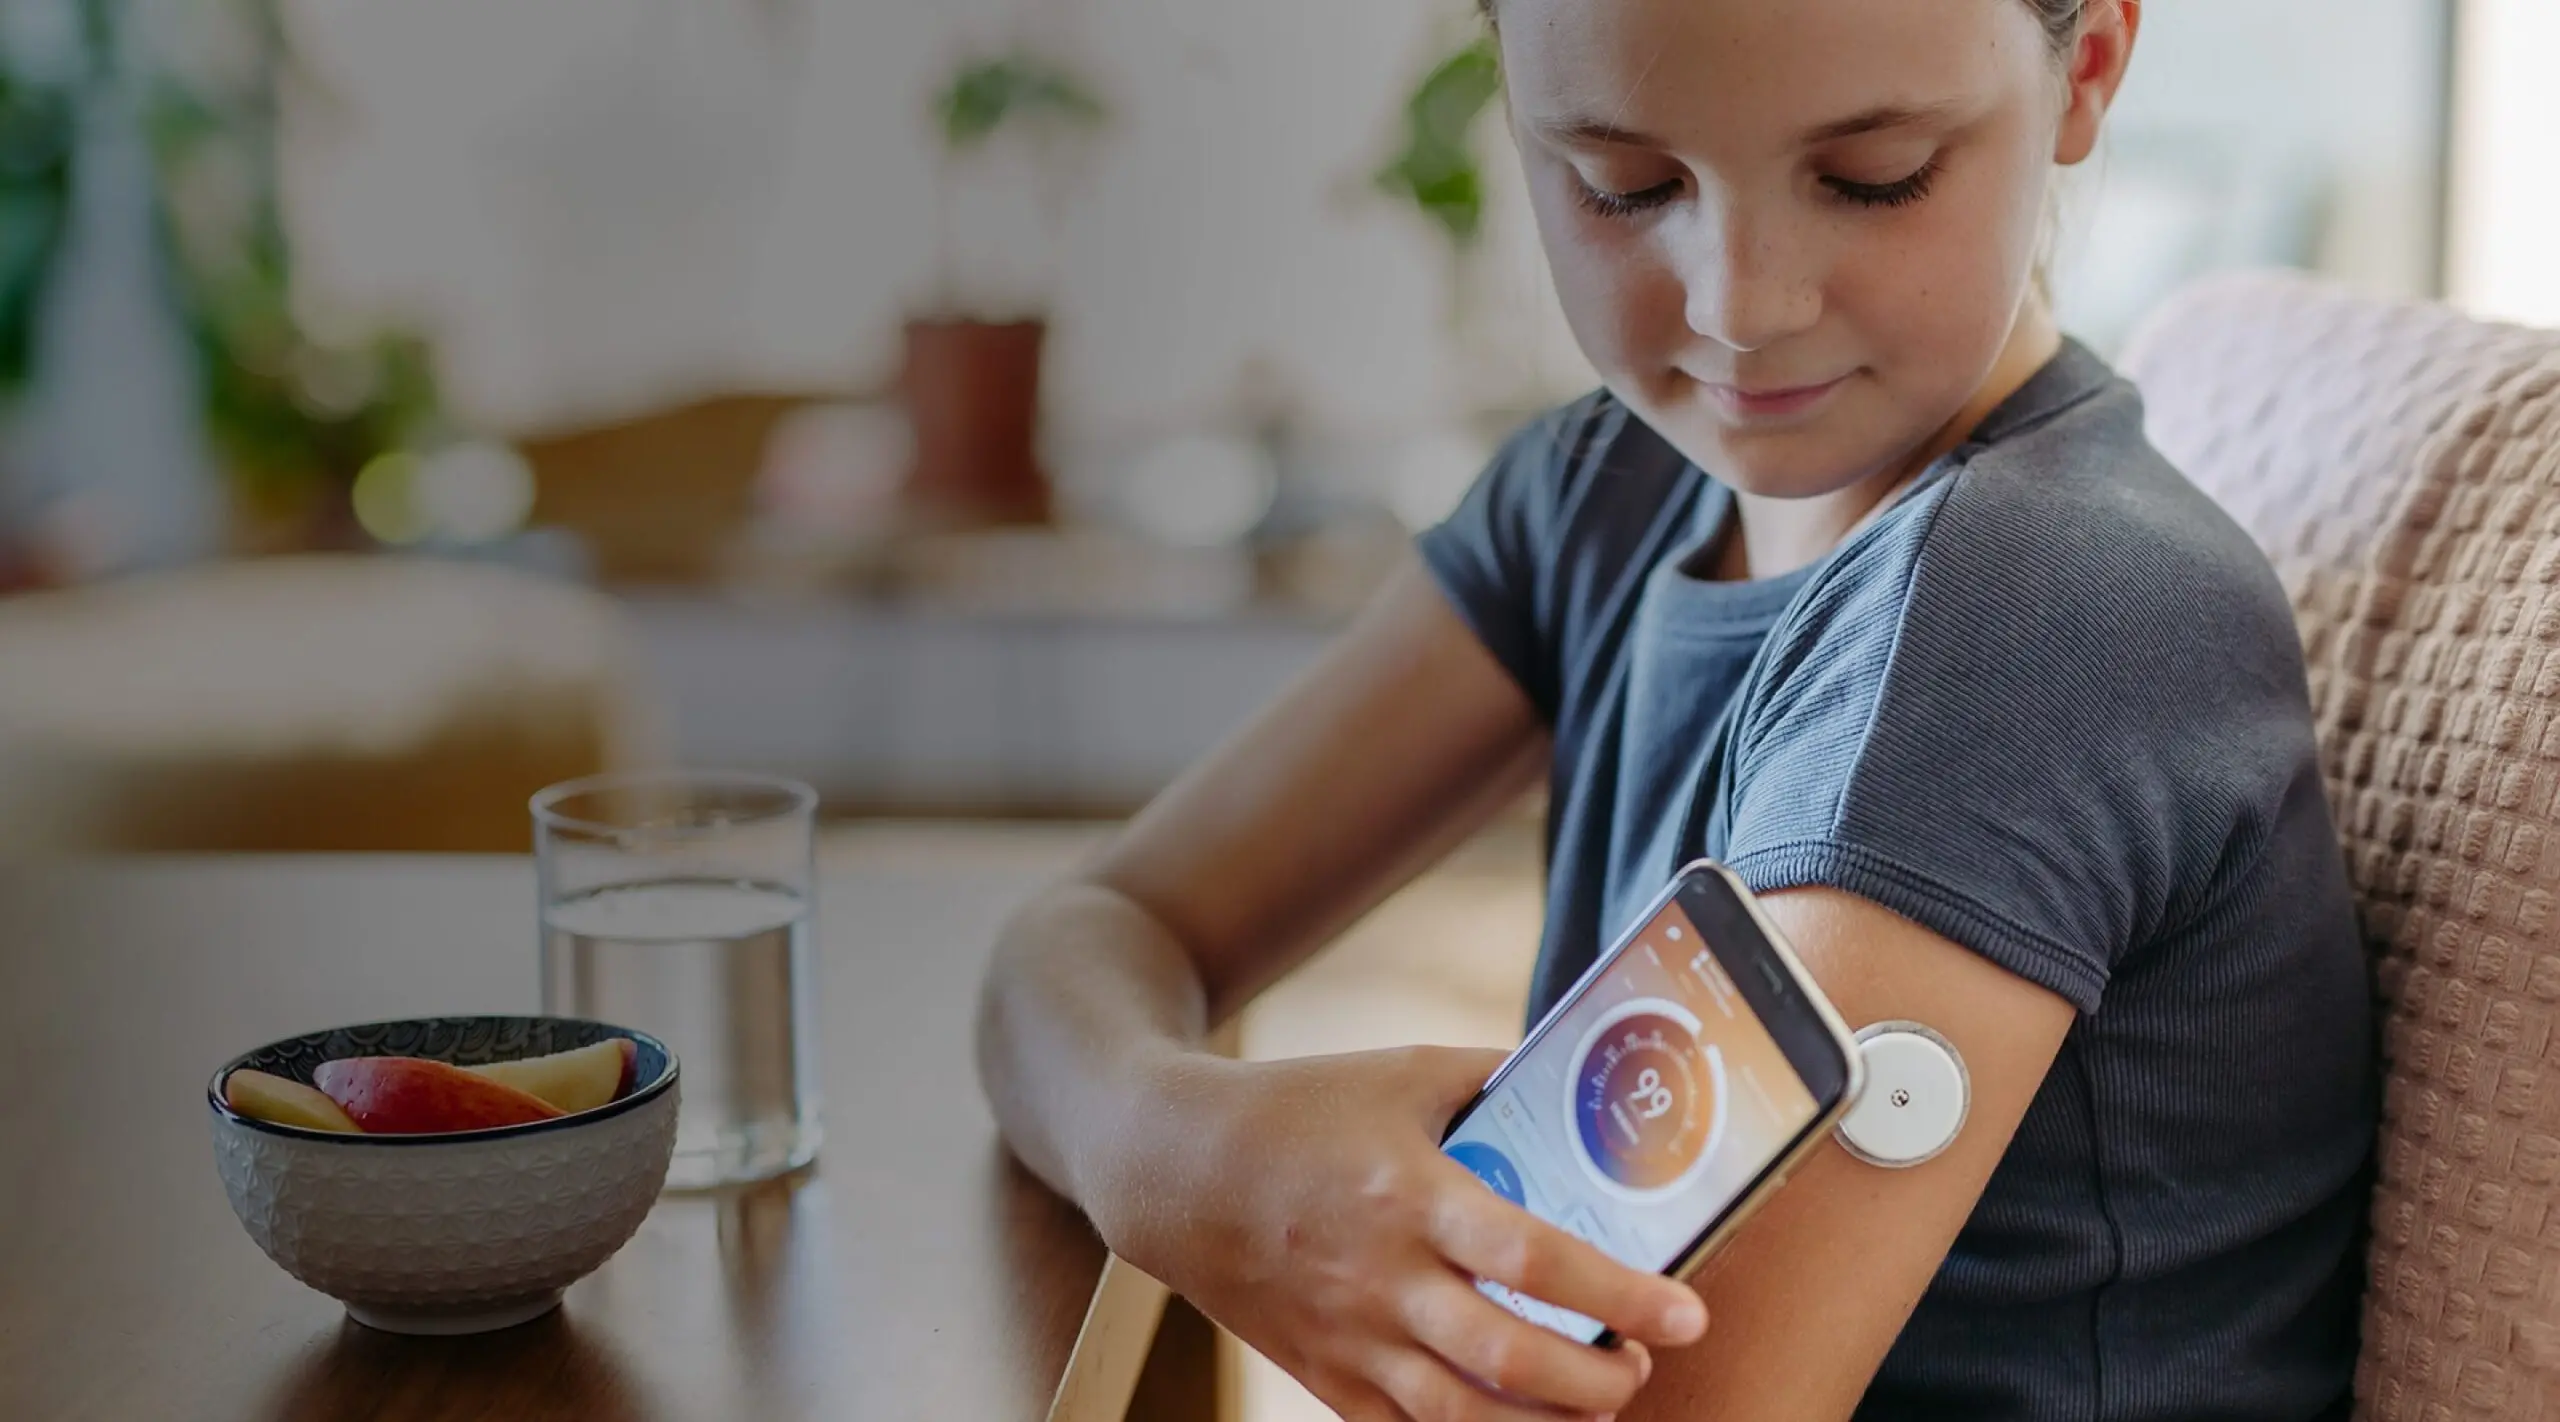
{"x": 1915, "y": 1099}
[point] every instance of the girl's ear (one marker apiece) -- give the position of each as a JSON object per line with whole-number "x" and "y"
{"x": 2097, "y": 64}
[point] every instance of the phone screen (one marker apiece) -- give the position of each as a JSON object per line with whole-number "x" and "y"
{"x": 1653, "y": 1097}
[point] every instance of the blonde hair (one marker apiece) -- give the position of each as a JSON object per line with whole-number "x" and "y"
{"x": 2061, "y": 18}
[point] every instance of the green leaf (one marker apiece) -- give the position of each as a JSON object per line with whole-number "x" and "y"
{"x": 30, "y": 235}
{"x": 1444, "y": 107}
{"x": 35, "y": 186}
{"x": 1437, "y": 169}
{"x": 988, "y": 95}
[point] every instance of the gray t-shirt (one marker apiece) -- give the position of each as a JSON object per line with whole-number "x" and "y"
{"x": 2050, "y": 705}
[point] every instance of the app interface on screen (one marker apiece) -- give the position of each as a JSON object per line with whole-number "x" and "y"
{"x": 1648, "y": 1106}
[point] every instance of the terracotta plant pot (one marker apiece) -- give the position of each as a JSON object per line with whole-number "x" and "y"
{"x": 973, "y": 393}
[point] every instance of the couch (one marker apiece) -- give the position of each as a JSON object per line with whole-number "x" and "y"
{"x": 2400, "y": 463}
{"x": 307, "y": 704}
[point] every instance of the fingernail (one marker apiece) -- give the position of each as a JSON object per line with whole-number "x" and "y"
{"x": 1685, "y": 1320}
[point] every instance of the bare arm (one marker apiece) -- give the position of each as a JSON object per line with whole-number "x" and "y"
{"x": 1810, "y": 1297}
{"x": 1305, "y": 1205}
{"x": 1404, "y": 740}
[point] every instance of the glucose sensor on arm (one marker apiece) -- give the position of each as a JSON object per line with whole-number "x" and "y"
{"x": 1916, "y": 1096}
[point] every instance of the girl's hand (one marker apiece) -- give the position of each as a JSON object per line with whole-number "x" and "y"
{"x": 1306, "y": 1207}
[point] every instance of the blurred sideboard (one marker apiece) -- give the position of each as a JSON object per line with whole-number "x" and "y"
{"x": 891, "y": 708}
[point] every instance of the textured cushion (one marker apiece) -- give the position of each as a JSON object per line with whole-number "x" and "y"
{"x": 2301, "y": 408}
{"x": 2401, "y": 465}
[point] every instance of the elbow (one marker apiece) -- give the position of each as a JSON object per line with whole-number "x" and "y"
{"x": 993, "y": 1025}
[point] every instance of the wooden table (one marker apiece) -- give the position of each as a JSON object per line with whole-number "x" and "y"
{"x": 917, "y": 1273}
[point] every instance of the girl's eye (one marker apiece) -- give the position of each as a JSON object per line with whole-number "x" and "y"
{"x": 1606, "y": 203}
{"x": 1900, "y": 193}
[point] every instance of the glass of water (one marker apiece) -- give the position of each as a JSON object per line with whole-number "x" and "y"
{"x": 678, "y": 902}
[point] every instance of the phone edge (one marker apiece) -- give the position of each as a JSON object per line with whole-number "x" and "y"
{"x": 1696, "y": 1257}
{"x": 1822, "y": 1125}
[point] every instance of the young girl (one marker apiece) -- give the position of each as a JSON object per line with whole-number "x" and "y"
{"x": 1860, "y": 578}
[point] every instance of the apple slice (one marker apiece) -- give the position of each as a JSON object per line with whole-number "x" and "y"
{"x": 577, "y": 1080}
{"x": 412, "y": 1095}
{"x": 283, "y": 1102}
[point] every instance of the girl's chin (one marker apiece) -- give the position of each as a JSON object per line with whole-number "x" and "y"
{"x": 1799, "y": 463}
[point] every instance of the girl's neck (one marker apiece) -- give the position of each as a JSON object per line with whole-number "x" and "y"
{"x": 1771, "y": 537}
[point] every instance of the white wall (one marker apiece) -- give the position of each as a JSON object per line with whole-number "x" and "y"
{"x": 601, "y": 204}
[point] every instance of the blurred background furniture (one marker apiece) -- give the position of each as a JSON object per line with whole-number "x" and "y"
{"x": 654, "y": 497}
{"x": 312, "y": 703}
{"x": 2401, "y": 465}
{"x": 640, "y": 316}
{"x": 896, "y": 709}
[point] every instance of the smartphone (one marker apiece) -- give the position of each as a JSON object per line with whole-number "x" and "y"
{"x": 1665, "y": 1097}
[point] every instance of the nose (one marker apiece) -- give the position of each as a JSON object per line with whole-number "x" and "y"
{"x": 1748, "y": 283}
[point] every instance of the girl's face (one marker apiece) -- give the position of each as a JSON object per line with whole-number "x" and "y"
{"x": 1793, "y": 235}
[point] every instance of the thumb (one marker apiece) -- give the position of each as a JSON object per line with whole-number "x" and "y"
{"x": 1446, "y": 1078}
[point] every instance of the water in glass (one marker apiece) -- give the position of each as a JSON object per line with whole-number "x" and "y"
{"x": 721, "y": 970}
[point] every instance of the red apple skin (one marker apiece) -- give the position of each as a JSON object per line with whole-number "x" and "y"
{"x": 415, "y": 1096}
{"x": 630, "y": 1067}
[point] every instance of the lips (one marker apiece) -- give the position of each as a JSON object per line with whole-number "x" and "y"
{"x": 1769, "y": 401}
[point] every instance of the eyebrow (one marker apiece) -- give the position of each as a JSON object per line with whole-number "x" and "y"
{"x": 1878, "y": 119}
{"x": 1587, "y": 132}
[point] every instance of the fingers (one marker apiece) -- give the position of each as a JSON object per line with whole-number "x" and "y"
{"x": 1428, "y": 1390}
{"x": 1356, "y": 1400}
{"x": 1487, "y": 1343}
{"x": 1490, "y": 1238}
{"x": 1643, "y": 1358}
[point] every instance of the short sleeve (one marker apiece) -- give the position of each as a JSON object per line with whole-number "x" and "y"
{"x": 1493, "y": 556}
{"x": 2035, "y": 736}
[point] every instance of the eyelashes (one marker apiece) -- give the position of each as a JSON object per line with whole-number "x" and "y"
{"x": 1604, "y": 203}
{"x": 1902, "y": 192}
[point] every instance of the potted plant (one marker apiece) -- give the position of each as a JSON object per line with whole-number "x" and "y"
{"x": 972, "y": 363}
{"x": 288, "y": 414}
{"x": 1435, "y": 167}
{"x": 35, "y": 195}
{"x": 1437, "y": 170}
{"x": 293, "y": 412}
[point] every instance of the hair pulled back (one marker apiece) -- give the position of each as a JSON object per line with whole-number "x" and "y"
{"x": 2061, "y": 18}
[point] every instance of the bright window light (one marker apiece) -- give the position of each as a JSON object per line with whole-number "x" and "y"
{"x": 2506, "y": 162}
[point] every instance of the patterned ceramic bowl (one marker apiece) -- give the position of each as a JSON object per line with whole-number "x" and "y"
{"x": 458, "y": 1232}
